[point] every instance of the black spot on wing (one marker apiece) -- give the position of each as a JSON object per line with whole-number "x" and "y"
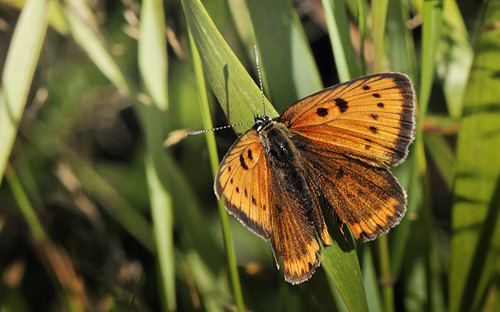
{"x": 374, "y": 116}
{"x": 381, "y": 105}
{"x": 365, "y": 87}
{"x": 250, "y": 154}
{"x": 242, "y": 162}
{"x": 373, "y": 129}
{"x": 341, "y": 104}
{"x": 322, "y": 112}
{"x": 376, "y": 95}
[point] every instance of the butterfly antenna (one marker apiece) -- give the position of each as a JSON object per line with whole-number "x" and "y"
{"x": 219, "y": 128}
{"x": 260, "y": 79}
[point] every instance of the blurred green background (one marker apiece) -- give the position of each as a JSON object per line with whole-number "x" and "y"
{"x": 105, "y": 205}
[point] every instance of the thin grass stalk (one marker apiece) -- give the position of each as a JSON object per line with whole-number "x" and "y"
{"x": 214, "y": 164}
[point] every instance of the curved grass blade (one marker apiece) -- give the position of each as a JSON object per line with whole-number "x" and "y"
{"x": 236, "y": 91}
{"x": 20, "y": 65}
{"x": 341, "y": 264}
{"x": 476, "y": 209}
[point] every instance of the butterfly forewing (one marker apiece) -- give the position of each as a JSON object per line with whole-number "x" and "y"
{"x": 243, "y": 180}
{"x": 369, "y": 118}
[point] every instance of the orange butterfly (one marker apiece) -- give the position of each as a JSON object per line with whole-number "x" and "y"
{"x": 336, "y": 144}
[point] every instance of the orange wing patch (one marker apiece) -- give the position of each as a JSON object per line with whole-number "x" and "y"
{"x": 243, "y": 180}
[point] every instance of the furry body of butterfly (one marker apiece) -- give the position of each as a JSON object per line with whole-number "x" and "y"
{"x": 336, "y": 144}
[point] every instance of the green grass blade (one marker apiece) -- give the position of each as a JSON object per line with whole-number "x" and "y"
{"x": 153, "y": 68}
{"x": 340, "y": 37}
{"x": 20, "y": 65}
{"x": 26, "y": 207}
{"x": 286, "y": 58}
{"x": 341, "y": 264}
{"x": 153, "y": 52}
{"x": 476, "y": 208}
{"x": 379, "y": 18}
{"x": 237, "y": 93}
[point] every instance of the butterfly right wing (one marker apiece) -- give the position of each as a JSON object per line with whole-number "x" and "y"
{"x": 243, "y": 180}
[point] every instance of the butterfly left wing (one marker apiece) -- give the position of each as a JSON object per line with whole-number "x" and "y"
{"x": 243, "y": 180}
{"x": 369, "y": 118}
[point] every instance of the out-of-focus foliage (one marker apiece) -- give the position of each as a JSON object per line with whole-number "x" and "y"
{"x": 106, "y": 205}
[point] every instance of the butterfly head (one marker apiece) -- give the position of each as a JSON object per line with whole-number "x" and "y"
{"x": 261, "y": 122}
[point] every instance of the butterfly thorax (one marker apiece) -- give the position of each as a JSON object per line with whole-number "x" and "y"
{"x": 277, "y": 142}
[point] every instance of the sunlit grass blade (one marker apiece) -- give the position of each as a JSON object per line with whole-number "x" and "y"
{"x": 153, "y": 52}
{"x": 379, "y": 19}
{"x": 340, "y": 37}
{"x": 476, "y": 209}
{"x": 153, "y": 69}
{"x": 236, "y": 91}
{"x": 286, "y": 58}
{"x": 454, "y": 57}
{"x": 19, "y": 68}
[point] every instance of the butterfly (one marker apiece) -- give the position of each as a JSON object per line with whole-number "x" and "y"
{"x": 337, "y": 144}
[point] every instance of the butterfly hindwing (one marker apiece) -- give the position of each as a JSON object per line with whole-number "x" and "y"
{"x": 243, "y": 180}
{"x": 369, "y": 118}
{"x": 368, "y": 199}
